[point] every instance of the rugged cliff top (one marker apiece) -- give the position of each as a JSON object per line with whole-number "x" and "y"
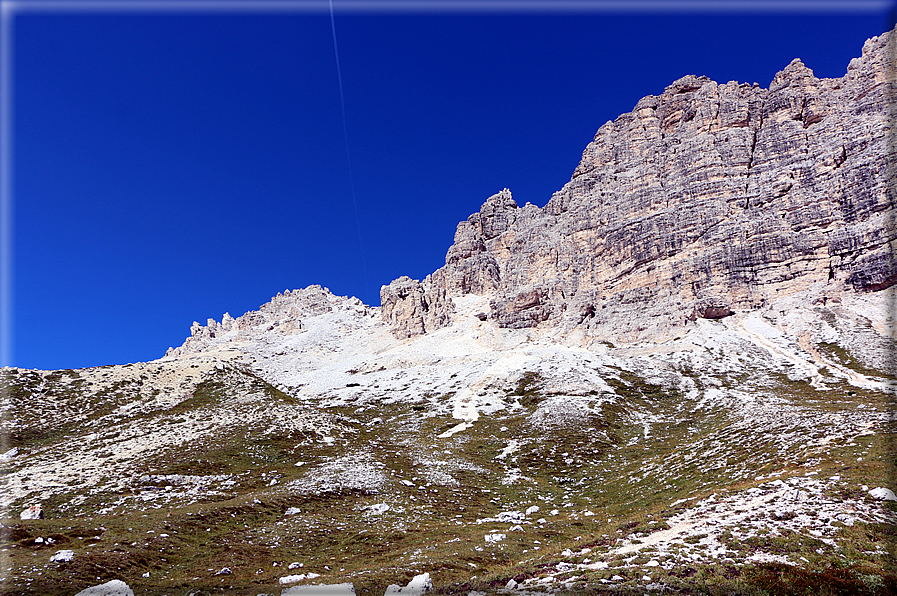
{"x": 702, "y": 201}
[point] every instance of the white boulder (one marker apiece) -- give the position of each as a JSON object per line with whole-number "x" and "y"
{"x": 115, "y": 587}
{"x": 881, "y": 493}
{"x": 420, "y": 584}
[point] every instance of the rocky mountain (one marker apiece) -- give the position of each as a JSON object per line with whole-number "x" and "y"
{"x": 676, "y": 377}
{"x": 705, "y": 200}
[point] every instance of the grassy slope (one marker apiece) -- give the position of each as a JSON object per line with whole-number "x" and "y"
{"x": 610, "y": 484}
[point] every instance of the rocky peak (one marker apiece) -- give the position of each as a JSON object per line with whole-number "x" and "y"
{"x": 496, "y": 215}
{"x": 283, "y": 315}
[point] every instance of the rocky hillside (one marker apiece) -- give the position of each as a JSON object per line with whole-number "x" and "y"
{"x": 705, "y": 200}
{"x": 675, "y": 378}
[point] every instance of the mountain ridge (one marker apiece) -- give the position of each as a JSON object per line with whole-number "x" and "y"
{"x": 707, "y": 198}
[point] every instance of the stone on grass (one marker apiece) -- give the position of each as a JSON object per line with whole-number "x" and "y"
{"x": 321, "y": 589}
{"x": 62, "y": 556}
{"x": 883, "y": 494}
{"x": 116, "y": 587}
{"x": 420, "y": 584}
{"x": 33, "y": 512}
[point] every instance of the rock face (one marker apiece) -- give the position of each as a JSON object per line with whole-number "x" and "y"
{"x": 412, "y": 308}
{"x": 705, "y": 200}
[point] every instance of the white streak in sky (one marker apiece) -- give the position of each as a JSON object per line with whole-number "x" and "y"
{"x": 6, "y": 188}
{"x": 342, "y": 105}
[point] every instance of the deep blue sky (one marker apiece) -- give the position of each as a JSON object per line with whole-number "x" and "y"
{"x": 169, "y": 168}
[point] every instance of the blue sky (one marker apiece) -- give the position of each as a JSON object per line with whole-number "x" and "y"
{"x": 171, "y": 167}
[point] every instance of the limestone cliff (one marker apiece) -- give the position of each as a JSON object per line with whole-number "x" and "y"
{"x": 705, "y": 200}
{"x": 412, "y": 308}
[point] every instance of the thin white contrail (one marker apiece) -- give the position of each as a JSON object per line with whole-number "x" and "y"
{"x": 342, "y": 105}
{"x": 6, "y": 188}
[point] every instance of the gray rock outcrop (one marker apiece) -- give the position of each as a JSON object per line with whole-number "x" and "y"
{"x": 413, "y": 308}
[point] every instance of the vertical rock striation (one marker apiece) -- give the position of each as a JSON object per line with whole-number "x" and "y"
{"x": 413, "y": 308}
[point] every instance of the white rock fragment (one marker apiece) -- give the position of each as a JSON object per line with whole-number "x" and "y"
{"x": 62, "y": 556}
{"x": 533, "y": 509}
{"x": 512, "y": 584}
{"x": 295, "y": 565}
{"x": 292, "y": 579}
{"x": 292, "y": 511}
{"x": 116, "y": 587}
{"x": 377, "y": 508}
{"x": 493, "y": 538}
{"x": 33, "y": 512}
{"x": 321, "y": 590}
{"x": 596, "y": 565}
{"x": 224, "y": 571}
{"x": 10, "y": 454}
